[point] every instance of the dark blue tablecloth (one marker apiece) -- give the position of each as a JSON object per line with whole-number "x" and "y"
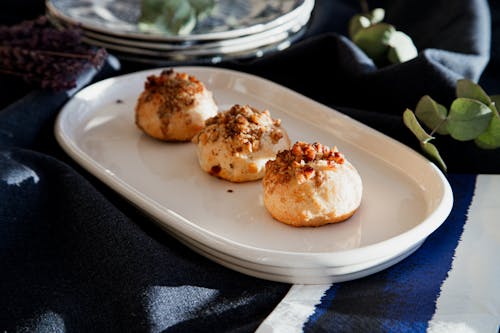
{"x": 76, "y": 257}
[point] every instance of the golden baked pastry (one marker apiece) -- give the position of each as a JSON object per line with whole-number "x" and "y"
{"x": 173, "y": 106}
{"x": 311, "y": 185}
{"x": 236, "y": 144}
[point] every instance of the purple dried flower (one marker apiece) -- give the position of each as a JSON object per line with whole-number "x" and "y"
{"x": 45, "y": 56}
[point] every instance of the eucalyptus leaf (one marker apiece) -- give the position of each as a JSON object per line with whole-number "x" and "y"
{"x": 468, "y": 118}
{"x": 432, "y": 114}
{"x": 433, "y": 152}
{"x": 174, "y": 17}
{"x": 490, "y": 139}
{"x": 202, "y": 7}
{"x": 377, "y": 15}
{"x": 374, "y": 40}
{"x": 180, "y": 17}
{"x": 356, "y": 23}
{"x": 468, "y": 89}
{"x": 411, "y": 121}
{"x": 150, "y": 10}
{"x": 401, "y": 48}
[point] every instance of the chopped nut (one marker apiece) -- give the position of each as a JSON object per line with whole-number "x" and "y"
{"x": 276, "y": 135}
{"x": 178, "y": 90}
{"x": 301, "y": 178}
{"x": 254, "y": 119}
{"x": 308, "y": 172}
{"x": 244, "y": 127}
{"x": 203, "y": 138}
{"x": 215, "y": 170}
{"x": 298, "y": 161}
{"x": 240, "y": 119}
{"x": 256, "y": 145}
{"x": 247, "y": 146}
{"x": 214, "y": 135}
{"x": 252, "y": 168}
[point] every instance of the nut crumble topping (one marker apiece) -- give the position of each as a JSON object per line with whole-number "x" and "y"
{"x": 177, "y": 89}
{"x": 300, "y": 162}
{"x": 243, "y": 126}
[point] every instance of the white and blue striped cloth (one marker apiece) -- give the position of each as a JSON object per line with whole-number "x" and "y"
{"x": 451, "y": 284}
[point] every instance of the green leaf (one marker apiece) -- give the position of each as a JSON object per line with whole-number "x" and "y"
{"x": 432, "y": 114}
{"x": 468, "y": 89}
{"x": 412, "y": 123}
{"x": 374, "y": 40}
{"x": 180, "y": 16}
{"x": 377, "y": 15}
{"x": 356, "y": 23}
{"x": 150, "y": 10}
{"x": 433, "y": 152}
{"x": 468, "y": 118}
{"x": 401, "y": 48}
{"x": 202, "y": 7}
{"x": 175, "y": 17}
{"x": 490, "y": 139}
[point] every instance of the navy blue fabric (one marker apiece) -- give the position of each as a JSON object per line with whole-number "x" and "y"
{"x": 71, "y": 260}
{"x": 76, "y": 257}
{"x": 401, "y": 298}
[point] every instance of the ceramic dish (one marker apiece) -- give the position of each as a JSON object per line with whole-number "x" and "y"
{"x": 405, "y": 196}
{"x": 210, "y": 59}
{"x": 222, "y": 49}
{"x": 229, "y": 19}
{"x": 319, "y": 274}
{"x": 244, "y": 42}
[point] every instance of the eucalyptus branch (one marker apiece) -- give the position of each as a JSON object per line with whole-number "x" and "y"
{"x": 472, "y": 116}
{"x": 381, "y": 41}
{"x": 439, "y": 126}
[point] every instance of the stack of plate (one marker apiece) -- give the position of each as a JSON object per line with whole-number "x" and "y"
{"x": 234, "y": 29}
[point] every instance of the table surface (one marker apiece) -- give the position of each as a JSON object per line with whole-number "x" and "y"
{"x": 76, "y": 256}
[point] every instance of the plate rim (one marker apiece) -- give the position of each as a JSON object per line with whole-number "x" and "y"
{"x": 199, "y": 52}
{"x": 297, "y": 276}
{"x": 214, "y": 46}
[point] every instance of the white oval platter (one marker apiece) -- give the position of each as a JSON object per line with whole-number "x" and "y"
{"x": 405, "y": 196}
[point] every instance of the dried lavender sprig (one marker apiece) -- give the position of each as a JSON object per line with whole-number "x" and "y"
{"x": 55, "y": 69}
{"x": 45, "y": 56}
{"x": 40, "y": 34}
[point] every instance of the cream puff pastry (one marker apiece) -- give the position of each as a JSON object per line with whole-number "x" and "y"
{"x": 311, "y": 185}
